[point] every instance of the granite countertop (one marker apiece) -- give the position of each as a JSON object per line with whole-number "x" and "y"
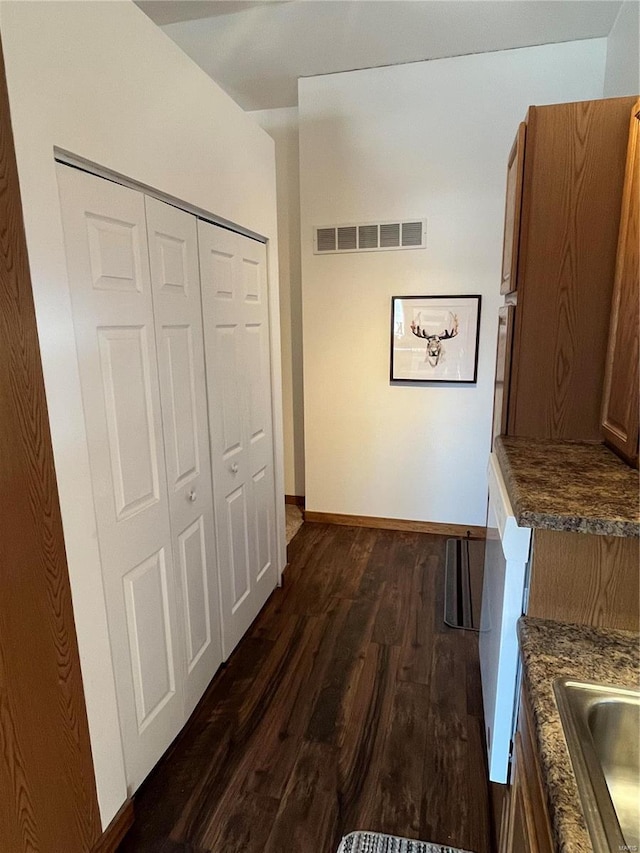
{"x": 569, "y": 485}
{"x": 553, "y": 650}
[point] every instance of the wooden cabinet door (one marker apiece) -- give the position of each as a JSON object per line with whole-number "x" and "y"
{"x": 527, "y": 828}
{"x": 574, "y": 167}
{"x": 520, "y": 833}
{"x": 513, "y": 205}
{"x": 620, "y": 398}
{"x": 506, "y": 317}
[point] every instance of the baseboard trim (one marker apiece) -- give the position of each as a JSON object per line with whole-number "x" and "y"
{"x": 111, "y": 838}
{"x": 469, "y": 531}
{"x": 296, "y": 500}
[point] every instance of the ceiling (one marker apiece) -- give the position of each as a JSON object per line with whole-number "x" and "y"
{"x": 257, "y": 50}
{"x": 169, "y": 11}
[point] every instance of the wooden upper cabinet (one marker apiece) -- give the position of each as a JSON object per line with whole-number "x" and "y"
{"x": 572, "y": 188}
{"x": 620, "y": 397}
{"x": 513, "y": 204}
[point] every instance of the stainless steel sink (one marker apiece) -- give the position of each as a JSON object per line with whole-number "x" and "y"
{"x": 602, "y": 728}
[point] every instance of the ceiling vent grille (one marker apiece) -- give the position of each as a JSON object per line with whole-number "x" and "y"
{"x": 370, "y": 237}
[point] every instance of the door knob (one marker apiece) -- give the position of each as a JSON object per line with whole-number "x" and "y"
{"x": 192, "y": 495}
{"x": 234, "y": 468}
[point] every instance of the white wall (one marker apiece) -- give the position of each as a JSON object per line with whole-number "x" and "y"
{"x": 429, "y": 139}
{"x": 623, "y": 54}
{"x": 100, "y": 80}
{"x": 282, "y": 126}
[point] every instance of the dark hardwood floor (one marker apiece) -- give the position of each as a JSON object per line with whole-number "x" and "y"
{"x": 348, "y": 705}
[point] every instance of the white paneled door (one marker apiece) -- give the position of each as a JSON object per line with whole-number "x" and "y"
{"x": 236, "y": 330}
{"x": 147, "y": 437}
{"x": 175, "y": 279}
{"x": 107, "y": 258}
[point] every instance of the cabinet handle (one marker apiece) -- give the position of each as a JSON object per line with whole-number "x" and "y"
{"x": 192, "y": 495}
{"x": 234, "y": 468}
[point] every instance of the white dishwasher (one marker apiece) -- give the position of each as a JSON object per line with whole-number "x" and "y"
{"x": 504, "y": 593}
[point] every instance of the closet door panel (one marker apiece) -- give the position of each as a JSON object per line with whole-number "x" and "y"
{"x": 115, "y": 258}
{"x": 197, "y": 614}
{"x": 258, "y": 411}
{"x": 179, "y": 396}
{"x": 224, "y": 355}
{"x": 228, "y": 376}
{"x": 107, "y": 258}
{"x": 263, "y": 521}
{"x": 236, "y": 326}
{"x": 253, "y": 263}
{"x": 175, "y": 277}
{"x": 133, "y": 448}
{"x": 148, "y": 606}
{"x": 238, "y": 546}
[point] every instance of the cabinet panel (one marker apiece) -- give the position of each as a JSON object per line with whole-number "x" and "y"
{"x": 539, "y": 827}
{"x": 506, "y": 320}
{"x": 527, "y": 828}
{"x": 520, "y": 819}
{"x": 620, "y": 398}
{"x": 513, "y": 205}
{"x": 598, "y": 584}
{"x": 572, "y": 195}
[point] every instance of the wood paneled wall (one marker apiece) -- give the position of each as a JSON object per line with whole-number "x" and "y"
{"x": 586, "y": 579}
{"x": 48, "y": 799}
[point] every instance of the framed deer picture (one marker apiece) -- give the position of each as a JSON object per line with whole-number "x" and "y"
{"x": 435, "y": 338}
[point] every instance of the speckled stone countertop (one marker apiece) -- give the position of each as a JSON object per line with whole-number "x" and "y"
{"x": 569, "y": 485}
{"x": 553, "y": 650}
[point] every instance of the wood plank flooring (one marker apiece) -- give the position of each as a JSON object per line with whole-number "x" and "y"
{"x": 348, "y": 705}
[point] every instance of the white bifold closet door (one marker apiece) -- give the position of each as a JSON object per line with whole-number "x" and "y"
{"x": 177, "y": 309}
{"x": 142, "y": 378}
{"x": 235, "y": 306}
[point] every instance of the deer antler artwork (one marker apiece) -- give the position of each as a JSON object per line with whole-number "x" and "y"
{"x": 434, "y": 341}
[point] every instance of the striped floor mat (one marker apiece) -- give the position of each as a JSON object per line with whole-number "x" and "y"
{"x": 374, "y": 842}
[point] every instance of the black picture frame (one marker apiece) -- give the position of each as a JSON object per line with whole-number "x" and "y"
{"x": 435, "y": 339}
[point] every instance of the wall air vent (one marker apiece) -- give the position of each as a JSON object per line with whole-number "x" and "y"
{"x": 412, "y": 234}
{"x": 370, "y": 237}
{"x": 390, "y": 235}
{"x": 347, "y": 238}
{"x": 326, "y": 239}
